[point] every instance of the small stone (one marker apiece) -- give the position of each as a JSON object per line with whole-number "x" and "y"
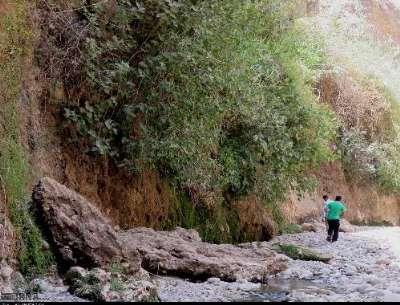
{"x": 6, "y": 272}
{"x": 214, "y": 280}
{"x": 75, "y": 272}
{"x": 363, "y": 288}
{"x": 377, "y": 294}
{"x": 372, "y": 280}
{"x": 45, "y": 245}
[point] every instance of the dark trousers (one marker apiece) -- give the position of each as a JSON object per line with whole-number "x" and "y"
{"x": 333, "y": 229}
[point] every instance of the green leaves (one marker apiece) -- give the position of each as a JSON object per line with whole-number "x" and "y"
{"x": 211, "y": 93}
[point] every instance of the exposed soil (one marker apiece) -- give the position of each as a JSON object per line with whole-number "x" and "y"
{"x": 364, "y": 203}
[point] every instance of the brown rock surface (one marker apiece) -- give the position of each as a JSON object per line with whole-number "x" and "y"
{"x": 82, "y": 236}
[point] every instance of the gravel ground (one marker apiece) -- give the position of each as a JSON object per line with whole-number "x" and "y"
{"x": 365, "y": 267}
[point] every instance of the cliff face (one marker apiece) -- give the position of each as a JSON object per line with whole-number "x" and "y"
{"x": 361, "y": 38}
{"x": 362, "y": 44}
{"x": 366, "y": 204}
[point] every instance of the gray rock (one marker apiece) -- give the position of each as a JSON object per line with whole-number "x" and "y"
{"x": 214, "y": 280}
{"x": 82, "y": 236}
{"x": 5, "y": 272}
{"x": 169, "y": 253}
{"x": 363, "y": 288}
{"x": 100, "y": 285}
{"x": 372, "y": 280}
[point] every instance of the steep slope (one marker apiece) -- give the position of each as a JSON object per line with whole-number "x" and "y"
{"x": 205, "y": 124}
{"x": 361, "y": 39}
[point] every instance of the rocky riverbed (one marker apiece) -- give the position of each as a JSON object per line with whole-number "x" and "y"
{"x": 365, "y": 267}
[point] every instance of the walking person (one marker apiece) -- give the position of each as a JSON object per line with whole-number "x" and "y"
{"x": 324, "y": 210}
{"x": 335, "y": 210}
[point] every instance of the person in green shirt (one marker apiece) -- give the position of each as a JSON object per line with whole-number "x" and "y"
{"x": 335, "y": 210}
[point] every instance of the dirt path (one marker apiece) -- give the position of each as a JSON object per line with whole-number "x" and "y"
{"x": 365, "y": 267}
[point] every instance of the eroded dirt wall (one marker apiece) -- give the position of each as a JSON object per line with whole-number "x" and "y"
{"x": 364, "y": 203}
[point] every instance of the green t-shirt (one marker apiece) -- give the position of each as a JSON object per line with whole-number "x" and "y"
{"x": 335, "y": 210}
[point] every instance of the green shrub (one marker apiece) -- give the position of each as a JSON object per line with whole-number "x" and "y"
{"x": 374, "y": 159}
{"x": 216, "y": 95}
{"x": 86, "y": 287}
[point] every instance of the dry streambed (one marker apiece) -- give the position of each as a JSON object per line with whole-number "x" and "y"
{"x": 365, "y": 267}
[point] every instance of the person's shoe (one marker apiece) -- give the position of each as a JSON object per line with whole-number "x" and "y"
{"x": 328, "y": 239}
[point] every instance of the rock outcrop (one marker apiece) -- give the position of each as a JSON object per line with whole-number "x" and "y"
{"x": 175, "y": 254}
{"x": 82, "y": 236}
{"x": 76, "y": 228}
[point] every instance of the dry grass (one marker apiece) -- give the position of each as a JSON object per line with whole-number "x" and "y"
{"x": 357, "y": 101}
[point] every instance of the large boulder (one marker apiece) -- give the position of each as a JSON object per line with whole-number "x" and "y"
{"x": 11, "y": 281}
{"x": 170, "y": 253}
{"x": 82, "y": 236}
{"x": 78, "y": 232}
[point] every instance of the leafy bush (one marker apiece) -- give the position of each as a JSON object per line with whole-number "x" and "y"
{"x": 373, "y": 157}
{"x": 215, "y": 94}
{"x": 359, "y": 156}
